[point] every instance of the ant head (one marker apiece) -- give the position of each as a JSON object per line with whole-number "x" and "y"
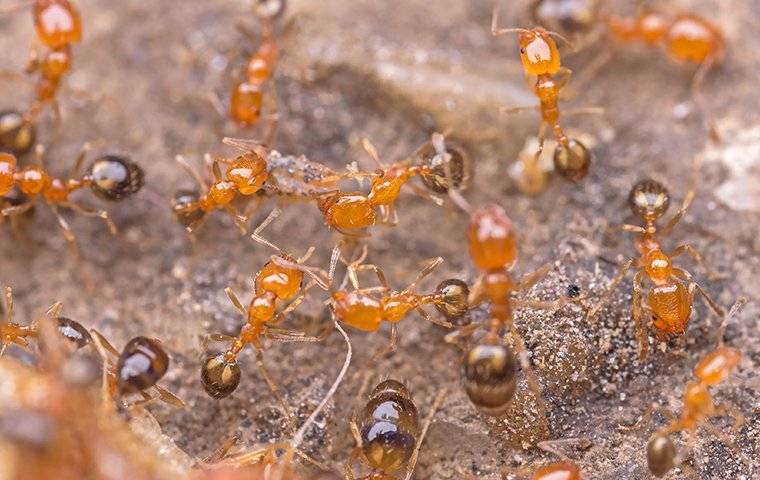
{"x": 539, "y": 52}
{"x": 649, "y": 199}
{"x": 115, "y": 177}
{"x": 16, "y": 134}
{"x": 661, "y": 455}
{"x": 220, "y": 376}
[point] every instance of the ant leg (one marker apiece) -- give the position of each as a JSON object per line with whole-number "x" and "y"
{"x": 353, "y": 269}
{"x": 67, "y": 232}
{"x": 272, "y": 385}
{"x": 646, "y": 417}
{"x": 728, "y": 408}
{"x": 372, "y": 152}
{"x": 17, "y": 209}
{"x": 735, "y": 308}
{"x": 708, "y": 300}
{"x": 679, "y": 214}
{"x": 390, "y": 348}
{"x": 462, "y": 332}
{"x": 238, "y": 219}
{"x": 511, "y": 110}
{"x": 531, "y": 279}
{"x": 527, "y": 368}
{"x": 691, "y": 251}
{"x": 428, "y": 421}
{"x": 235, "y": 300}
{"x": 495, "y": 30}
{"x": 424, "y": 273}
{"x": 610, "y": 288}
{"x": 190, "y": 170}
{"x": 714, "y": 431}
{"x": 426, "y": 316}
{"x": 641, "y": 329}
{"x": 294, "y": 304}
{"x": 584, "y": 111}
{"x": 91, "y": 212}
{"x": 550, "y": 446}
{"x": 256, "y": 233}
{"x": 351, "y": 458}
{"x": 86, "y": 147}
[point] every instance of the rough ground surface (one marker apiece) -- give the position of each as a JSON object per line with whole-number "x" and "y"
{"x": 395, "y": 71}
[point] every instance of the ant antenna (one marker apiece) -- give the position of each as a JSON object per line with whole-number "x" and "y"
{"x": 734, "y": 310}
{"x": 191, "y": 171}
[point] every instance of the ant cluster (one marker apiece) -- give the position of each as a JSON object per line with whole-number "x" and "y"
{"x": 77, "y": 368}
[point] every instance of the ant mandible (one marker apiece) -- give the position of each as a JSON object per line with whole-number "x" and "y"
{"x": 110, "y": 177}
{"x": 671, "y": 297}
{"x": 247, "y": 98}
{"x": 279, "y": 279}
{"x": 541, "y": 58}
{"x": 58, "y": 26}
{"x": 388, "y": 442}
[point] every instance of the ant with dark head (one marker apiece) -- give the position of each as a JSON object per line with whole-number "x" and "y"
{"x": 671, "y": 297}
{"x": 110, "y": 177}
{"x": 387, "y": 431}
{"x": 58, "y": 26}
{"x": 540, "y": 57}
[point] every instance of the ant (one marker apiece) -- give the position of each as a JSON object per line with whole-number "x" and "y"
{"x": 139, "y": 367}
{"x": 490, "y": 368}
{"x": 564, "y": 469}
{"x": 14, "y": 333}
{"x": 58, "y": 26}
{"x": 686, "y": 37}
{"x": 363, "y": 311}
{"x": 347, "y": 211}
{"x": 541, "y": 58}
{"x": 109, "y": 177}
{"x": 387, "y": 431}
{"x": 279, "y": 279}
{"x": 671, "y": 297}
{"x": 264, "y": 464}
{"x": 247, "y": 98}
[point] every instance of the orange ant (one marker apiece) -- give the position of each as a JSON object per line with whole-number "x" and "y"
{"x": 110, "y": 177}
{"x": 671, "y": 297}
{"x": 541, "y": 58}
{"x": 565, "y": 469}
{"x": 263, "y": 464}
{"x": 387, "y": 431}
{"x": 686, "y": 37}
{"x": 247, "y": 98}
{"x": 490, "y": 368}
{"x": 363, "y": 311}
{"x": 280, "y": 279}
{"x": 58, "y": 26}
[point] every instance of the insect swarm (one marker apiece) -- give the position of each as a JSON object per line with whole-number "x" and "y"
{"x": 110, "y": 177}
{"x": 540, "y": 57}
{"x": 670, "y": 299}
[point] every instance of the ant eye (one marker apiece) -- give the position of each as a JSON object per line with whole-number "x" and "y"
{"x": 116, "y": 178}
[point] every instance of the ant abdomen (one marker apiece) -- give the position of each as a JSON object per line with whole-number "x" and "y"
{"x": 74, "y": 332}
{"x": 566, "y": 16}
{"x": 388, "y": 425}
{"x": 181, "y": 201}
{"x": 453, "y": 303}
{"x": 572, "y": 161}
{"x": 141, "y": 365}
{"x": 116, "y": 177}
{"x": 270, "y": 9}
{"x": 661, "y": 454}
{"x": 649, "y": 199}
{"x": 490, "y": 377}
{"x": 220, "y": 376}
{"x": 16, "y": 134}
{"x": 437, "y": 179}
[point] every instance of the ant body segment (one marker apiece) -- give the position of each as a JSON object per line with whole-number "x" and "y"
{"x": 671, "y": 297}
{"x": 280, "y": 279}
{"x": 387, "y": 432}
{"x": 540, "y": 57}
{"x": 110, "y": 177}
{"x": 58, "y": 25}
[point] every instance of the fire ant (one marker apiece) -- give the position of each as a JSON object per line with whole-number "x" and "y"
{"x": 363, "y": 311}
{"x": 686, "y": 37}
{"x": 139, "y": 367}
{"x": 263, "y": 464}
{"x": 387, "y": 431}
{"x": 279, "y": 279}
{"x": 490, "y": 368}
{"x": 247, "y": 98}
{"x": 110, "y": 177}
{"x": 58, "y": 26}
{"x": 671, "y": 297}
{"x": 541, "y": 58}
{"x": 14, "y": 333}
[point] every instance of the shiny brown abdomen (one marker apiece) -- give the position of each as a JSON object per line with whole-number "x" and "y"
{"x": 671, "y": 307}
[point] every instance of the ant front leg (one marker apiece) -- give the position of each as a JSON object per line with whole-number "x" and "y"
{"x": 693, "y": 253}
{"x": 273, "y": 385}
{"x": 641, "y": 329}
{"x": 610, "y": 288}
{"x": 694, "y": 285}
{"x": 92, "y": 212}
